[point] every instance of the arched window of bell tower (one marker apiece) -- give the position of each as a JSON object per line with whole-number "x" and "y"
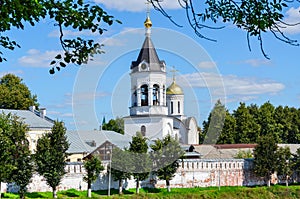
{"x": 144, "y": 95}
{"x": 156, "y": 94}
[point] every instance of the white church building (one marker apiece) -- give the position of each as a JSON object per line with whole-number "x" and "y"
{"x": 156, "y": 110}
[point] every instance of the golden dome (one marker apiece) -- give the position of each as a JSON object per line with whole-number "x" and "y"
{"x": 148, "y": 23}
{"x": 174, "y": 89}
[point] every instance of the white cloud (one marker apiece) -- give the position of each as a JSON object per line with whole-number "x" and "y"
{"x": 135, "y": 5}
{"x": 292, "y": 16}
{"x": 257, "y": 62}
{"x": 234, "y": 86}
{"x": 113, "y": 42}
{"x": 36, "y": 58}
{"x": 207, "y": 64}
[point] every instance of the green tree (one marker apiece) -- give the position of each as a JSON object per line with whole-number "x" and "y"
{"x": 116, "y": 125}
{"x": 267, "y": 121}
{"x": 51, "y": 155}
{"x": 282, "y": 120}
{"x": 93, "y": 167}
{"x": 165, "y": 156}
{"x": 201, "y": 135}
{"x": 255, "y": 17}
{"x": 6, "y": 149}
{"x": 212, "y": 128}
{"x": 285, "y": 163}
{"x": 247, "y": 130}
{"x": 265, "y": 157}
{"x": 294, "y": 131}
{"x": 77, "y": 15}
{"x": 15, "y": 160}
{"x": 140, "y": 157}
{"x": 241, "y": 154}
{"x": 121, "y": 166}
{"x": 227, "y": 135}
{"x": 14, "y": 94}
{"x": 22, "y": 156}
{"x": 296, "y": 162}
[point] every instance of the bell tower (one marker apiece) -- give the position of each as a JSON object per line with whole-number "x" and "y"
{"x": 148, "y": 79}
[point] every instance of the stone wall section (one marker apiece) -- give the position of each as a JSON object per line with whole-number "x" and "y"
{"x": 191, "y": 173}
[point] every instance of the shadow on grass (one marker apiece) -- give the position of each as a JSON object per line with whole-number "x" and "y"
{"x": 112, "y": 192}
{"x": 34, "y": 195}
{"x": 151, "y": 190}
{"x": 70, "y": 193}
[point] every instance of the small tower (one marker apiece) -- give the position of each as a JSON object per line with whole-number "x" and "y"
{"x": 175, "y": 99}
{"x": 148, "y": 79}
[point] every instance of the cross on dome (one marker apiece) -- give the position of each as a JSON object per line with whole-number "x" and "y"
{"x": 148, "y": 23}
{"x": 174, "y": 72}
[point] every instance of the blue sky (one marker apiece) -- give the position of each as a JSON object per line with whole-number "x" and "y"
{"x": 207, "y": 71}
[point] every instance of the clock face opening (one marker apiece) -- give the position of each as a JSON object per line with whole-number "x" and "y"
{"x": 143, "y": 66}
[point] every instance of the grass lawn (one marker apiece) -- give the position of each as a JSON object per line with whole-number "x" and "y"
{"x": 274, "y": 192}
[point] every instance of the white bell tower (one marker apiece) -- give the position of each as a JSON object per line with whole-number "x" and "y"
{"x": 148, "y": 79}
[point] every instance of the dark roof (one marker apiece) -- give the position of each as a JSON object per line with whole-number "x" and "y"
{"x": 148, "y": 54}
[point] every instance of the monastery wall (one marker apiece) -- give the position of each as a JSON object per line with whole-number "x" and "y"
{"x": 191, "y": 173}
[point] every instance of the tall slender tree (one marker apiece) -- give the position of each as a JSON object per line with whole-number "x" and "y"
{"x": 7, "y": 149}
{"x": 227, "y": 135}
{"x": 266, "y": 119}
{"x": 265, "y": 157}
{"x": 140, "y": 158}
{"x": 93, "y": 167}
{"x": 212, "y": 128}
{"x": 166, "y": 154}
{"x": 121, "y": 166}
{"x": 285, "y": 163}
{"x": 15, "y": 159}
{"x": 247, "y": 130}
{"x": 51, "y": 155}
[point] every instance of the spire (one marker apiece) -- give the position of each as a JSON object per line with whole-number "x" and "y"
{"x": 148, "y": 53}
{"x": 148, "y": 23}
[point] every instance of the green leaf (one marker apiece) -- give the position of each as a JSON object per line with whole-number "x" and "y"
{"x": 62, "y": 64}
{"x": 58, "y": 56}
{"x": 52, "y": 71}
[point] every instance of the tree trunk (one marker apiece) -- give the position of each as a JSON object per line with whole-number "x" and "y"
{"x": 137, "y": 186}
{"x": 89, "y": 191}
{"x": 168, "y": 185}
{"x": 269, "y": 182}
{"x": 54, "y": 192}
{"x": 120, "y": 186}
{"x": 22, "y": 195}
{"x": 0, "y": 190}
{"x": 287, "y": 181}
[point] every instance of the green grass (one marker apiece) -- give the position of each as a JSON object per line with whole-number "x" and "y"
{"x": 274, "y": 192}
